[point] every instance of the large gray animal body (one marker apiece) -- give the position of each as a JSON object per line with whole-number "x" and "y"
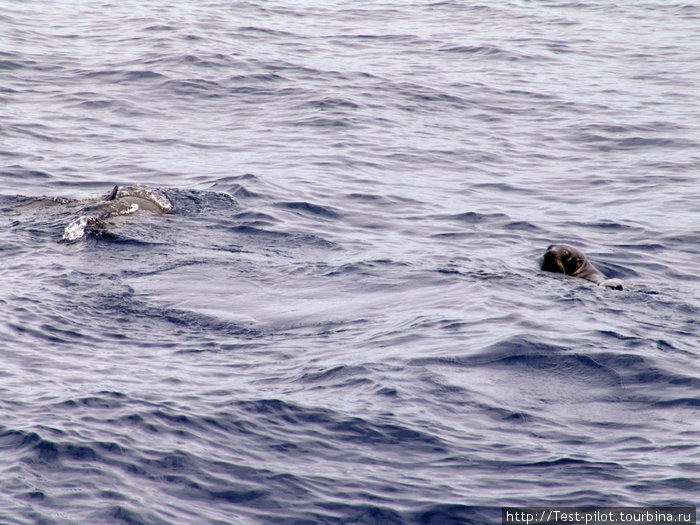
{"x": 121, "y": 201}
{"x": 561, "y": 258}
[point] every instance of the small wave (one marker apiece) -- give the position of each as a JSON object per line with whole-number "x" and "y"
{"x": 324, "y": 122}
{"x": 523, "y": 226}
{"x": 194, "y": 87}
{"x": 368, "y": 197}
{"x": 10, "y": 65}
{"x": 246, "y": 229}
{"x": 309, "y": 208}
{"x": 528, "y": 355}
{"x": 24, "y": 173}
{"x": 607, "y": 143}
{"x": 265, "y": 31}
{"x": 330, "y": 103}
{"x": 375, "y": 267}
{"x": 489, "y": 51}
{"x": 119, "y": 75}
{"x": 95, "y": 104}
{"x": 471, "y": 217}
{"x": 256, "y": 219}
{"x": 690, "y": 402}
{"x": 343, "y": 375}
{"x": 37, "y": 450}
{"x": 339, "y": 429}
{"x": 638, "y": 370}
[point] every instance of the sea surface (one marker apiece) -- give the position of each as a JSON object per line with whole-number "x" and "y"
{"x": 343, "y": 320}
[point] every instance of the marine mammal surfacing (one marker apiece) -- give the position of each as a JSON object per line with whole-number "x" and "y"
{"x": 561, "y": 258}
{"x": 120, "y": 201}
{"x": 147, "y": 197}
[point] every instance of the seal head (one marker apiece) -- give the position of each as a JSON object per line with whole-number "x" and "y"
{"x": 561, "y": 258}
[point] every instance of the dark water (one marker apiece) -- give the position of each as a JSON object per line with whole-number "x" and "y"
{"x": 343, "y": 321}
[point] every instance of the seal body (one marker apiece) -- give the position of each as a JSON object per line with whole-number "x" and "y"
{"x": 100, "y": 215}
{"x": 560, "y": 258}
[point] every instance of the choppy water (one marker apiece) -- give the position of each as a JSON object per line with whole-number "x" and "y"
{"x": 343, "y": 321}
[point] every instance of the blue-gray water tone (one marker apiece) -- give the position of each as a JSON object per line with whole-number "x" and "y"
{"x": 343, "y": 319}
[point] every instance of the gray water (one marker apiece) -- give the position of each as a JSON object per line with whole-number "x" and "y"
{"x": 344, "y": 319}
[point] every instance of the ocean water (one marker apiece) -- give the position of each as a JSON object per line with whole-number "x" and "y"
{"x": 343, "y": 320}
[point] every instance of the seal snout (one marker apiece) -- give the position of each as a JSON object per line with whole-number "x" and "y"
{"x": 551, "y": 262}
